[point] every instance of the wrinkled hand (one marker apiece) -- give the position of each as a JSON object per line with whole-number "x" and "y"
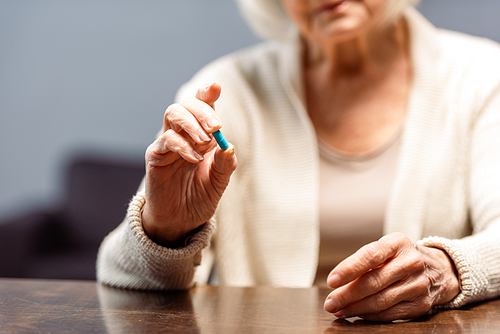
{"x": 186, "y": 172}
{"x": 391, "y": 279}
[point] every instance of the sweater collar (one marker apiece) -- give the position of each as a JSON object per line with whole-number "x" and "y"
{"x": 409, "y": 198}
{"x": 290, "y": 71}
{"x": 423, "y": 110}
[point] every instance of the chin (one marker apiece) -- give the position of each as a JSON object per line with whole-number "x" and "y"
{"x": 344, "y": 30}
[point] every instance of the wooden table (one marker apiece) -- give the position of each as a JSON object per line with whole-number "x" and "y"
{"x": 50, "y": 306}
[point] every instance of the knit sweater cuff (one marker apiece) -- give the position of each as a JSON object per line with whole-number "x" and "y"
{"x": 168, "y": 268}
{"x": 469, "y": 268}
{"x": 193, "y": 245}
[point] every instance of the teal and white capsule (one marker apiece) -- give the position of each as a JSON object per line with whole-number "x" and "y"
{"x": 220, "y": 140}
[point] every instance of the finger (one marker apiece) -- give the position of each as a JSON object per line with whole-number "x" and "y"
{"x": 209, "y": 94}
{"x": 177, "y": 117}
{"x": 402, "y": 311}
{"x": 405, "y": 267}
{"x": 153, "y": 159}
{"x": 172, "y": 142}
{"x": 366, "y": 258}
{"x": 402, "y": 291}
{"x": 223, "y": 165}
{"x": 203, "y": 113}
{"x": 371, "y": 282}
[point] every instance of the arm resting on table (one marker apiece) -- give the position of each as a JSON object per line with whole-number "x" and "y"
{"x": 129, "y": 259}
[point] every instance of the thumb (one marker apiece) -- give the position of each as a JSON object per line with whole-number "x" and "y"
{"x": 223, "y": 166}
{"x": 209, "y": 93}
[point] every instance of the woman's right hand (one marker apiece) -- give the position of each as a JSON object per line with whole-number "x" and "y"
{"x": 186, "y": 172}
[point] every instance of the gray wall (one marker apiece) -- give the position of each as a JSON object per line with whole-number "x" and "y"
{"x": 89, "y": 74}
{"x": 79, "y": 75}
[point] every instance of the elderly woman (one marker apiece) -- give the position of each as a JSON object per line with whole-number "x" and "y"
{"x": 358, "y": 125}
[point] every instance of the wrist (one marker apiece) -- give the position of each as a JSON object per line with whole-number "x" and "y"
{"x": 162, "y": 235}
{"x": 450, "y": 283}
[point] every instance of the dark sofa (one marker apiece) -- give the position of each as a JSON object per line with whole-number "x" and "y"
{"x": 62, "y": 241}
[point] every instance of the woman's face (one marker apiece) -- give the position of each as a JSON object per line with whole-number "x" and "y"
{"x": 334, "y": 20}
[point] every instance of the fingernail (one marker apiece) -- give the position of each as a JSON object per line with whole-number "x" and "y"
{"x": 212, "y": 122}
{"x": 330, "y": 305}
{"x": 333, "y": 280}
{"x": 340, "y": 314}
{"x": 198, "y": 155}
{"x": 230, "y": 152}
{"x": 204, "y": 136}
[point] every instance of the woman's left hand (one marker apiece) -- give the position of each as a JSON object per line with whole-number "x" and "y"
{"x": 390, "y": 279}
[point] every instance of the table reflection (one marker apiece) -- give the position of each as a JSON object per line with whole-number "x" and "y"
{"x": 267, "y": 310}
{"x": 261, "y": 310}
{"x": 135, "y": 311}
{"x": 213, "y": 310}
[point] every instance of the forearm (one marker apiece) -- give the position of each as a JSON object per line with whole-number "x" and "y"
{"x": 129, "y": 259}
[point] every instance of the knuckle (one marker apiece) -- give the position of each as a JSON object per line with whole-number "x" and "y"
{"x": 171, "y": 140}
{"x": 399, "y": 236}
{"x": 420, "y": 287}
{"x": 374, "y": 252}
{"x": 380, "y": 302}
{"x": 395, "y": 240}
{"x": 374, "y": 282}
{"x": 419, "y": 290}
{"x": 172, "y": 108}
{"x": 171, "y": 114}
{"x": 414, "y": 262}
{"x": 423, "y": 305}
{"x": 168, "y": 135}
{"x": 399, "y": 240}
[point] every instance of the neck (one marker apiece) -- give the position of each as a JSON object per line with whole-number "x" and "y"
{"x": 367, "y": 52}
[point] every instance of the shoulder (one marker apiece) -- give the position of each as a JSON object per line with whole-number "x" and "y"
{"x": 468, "y": 49}
{"x": 469, "y": 69}
{"x": 453, "y": 56}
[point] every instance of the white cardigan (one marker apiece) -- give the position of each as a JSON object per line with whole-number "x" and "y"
{"x": 446, "y": 190}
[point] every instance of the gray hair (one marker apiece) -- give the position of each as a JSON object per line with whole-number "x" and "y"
{"x": 268, "y": 19}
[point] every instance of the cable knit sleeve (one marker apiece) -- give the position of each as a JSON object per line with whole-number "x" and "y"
{"x": 128, "y": 259}
{"x": 477, "y": 257}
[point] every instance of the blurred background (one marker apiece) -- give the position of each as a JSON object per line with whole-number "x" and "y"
{"x": 83, "y": 88}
